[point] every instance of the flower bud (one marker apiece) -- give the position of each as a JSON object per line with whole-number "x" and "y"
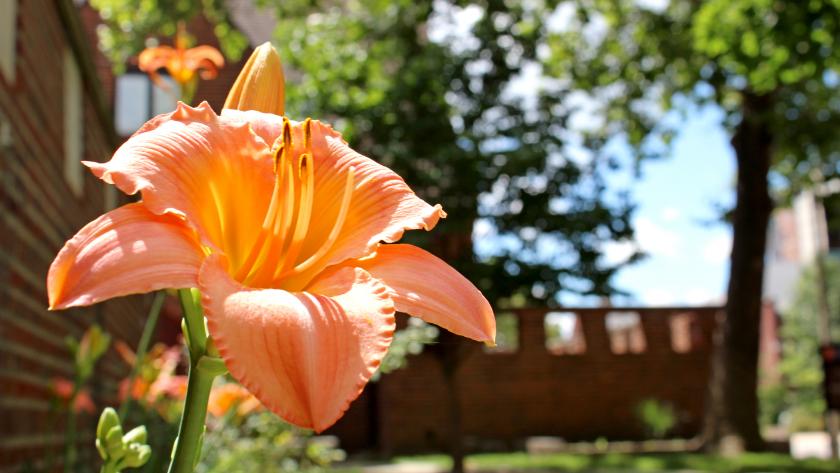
{"x": 136, "y": 435}
{"x": 107, "y": 420}
{"x": 136, "y": 456}
{"x": 260, "y": 83}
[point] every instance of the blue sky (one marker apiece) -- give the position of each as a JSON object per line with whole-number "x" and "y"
{"x": 677, "y": 220}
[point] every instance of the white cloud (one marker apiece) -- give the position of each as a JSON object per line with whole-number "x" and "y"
{"x": 669, "y": 214}
{"x": 651, "y": 238}
{"x": 655, "y": 239}
{"x": 658, "y": 297}
{"x": 716, "y": 250}
{"x": 699, "y": 296}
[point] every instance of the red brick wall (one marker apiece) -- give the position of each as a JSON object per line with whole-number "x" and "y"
{"x": 39, "y": 212}
{"x": 506, "y": 397}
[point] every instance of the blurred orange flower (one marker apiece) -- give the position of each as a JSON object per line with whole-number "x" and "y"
{"x": 63, "y": 388}
{"x": 65, "y": 391}
{"x": 83, "y": 402}
{"x": 181, "y": 62}
{"x": 137, "y": 391}
{"x": 156, "y": 376}
{"x": 231, "y": 395}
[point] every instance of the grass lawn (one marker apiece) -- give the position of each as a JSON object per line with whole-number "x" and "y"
{"x": 613, "y": 462}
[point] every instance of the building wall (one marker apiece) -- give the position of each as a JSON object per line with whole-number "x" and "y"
{"x": 505, "y": 397}
{"x": 39, "y": 211}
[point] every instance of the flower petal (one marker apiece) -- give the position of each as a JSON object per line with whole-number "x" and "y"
{"x": 152, "y": 59}
{"x": 128, "y": 250}
{"x": 214, "y": 171}
{"x": 206, "y": 58}
{"x": 382, "y": 206}
{"x": 307, "y": 355}
{"x": 425, "y": 286}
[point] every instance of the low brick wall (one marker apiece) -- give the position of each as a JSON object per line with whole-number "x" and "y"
{"x": 505, "y": 397}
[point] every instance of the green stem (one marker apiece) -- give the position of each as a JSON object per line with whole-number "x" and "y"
{"x": 203, "y": 370}
{"x": 143, "y": 347}
{"x": 70, "y": 433}
{"x": 196, "y": 335}
{"x": 191, "y": 430}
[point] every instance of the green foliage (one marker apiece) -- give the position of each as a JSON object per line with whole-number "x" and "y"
{"x": 658, "y": 417}
{"x": 801, "y": 367}
{"x": 262, "y": 442}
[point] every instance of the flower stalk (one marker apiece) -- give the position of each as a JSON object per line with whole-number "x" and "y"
{"x": 204, "y": 368}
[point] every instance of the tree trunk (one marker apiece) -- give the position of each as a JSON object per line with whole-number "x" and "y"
{"x": 732, "y": 411}
{"x": 453, "y": 399}
{"x": 450, "y": 351}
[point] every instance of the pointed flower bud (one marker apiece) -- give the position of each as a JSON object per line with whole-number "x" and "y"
{"x": 260, "y": 85}
{"x": 136, "y": 435}
{"x": 107, "y": 420}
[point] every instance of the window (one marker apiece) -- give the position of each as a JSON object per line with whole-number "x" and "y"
{"x": 686, "y": 332}
{"x": 138, "y": 99}
{"x": 626, "y": 333}
{"x": 507, "y": 334}
{"x": 74, "y": 132}
{"x": 8, "y": 33}
{"x": 564, "y": 334}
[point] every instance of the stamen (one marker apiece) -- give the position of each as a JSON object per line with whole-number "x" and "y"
{"x": 301, "y": 227}
{"x": 344, "y": 209}
{"x": 265, "y": 240}
{"x": 307, "y": 135}
{"x": 280, "y": 231}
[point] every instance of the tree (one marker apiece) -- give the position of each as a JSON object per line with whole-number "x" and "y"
{"x": 770, "y": 65}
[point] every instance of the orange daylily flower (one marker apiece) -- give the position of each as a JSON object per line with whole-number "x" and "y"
{"x": 181, "y": 62}
{"x": 288, "y": 233}
{"x": 81, "y": 401}
{"x": 159, "y": 381}
{"x": 231, "y": 396}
